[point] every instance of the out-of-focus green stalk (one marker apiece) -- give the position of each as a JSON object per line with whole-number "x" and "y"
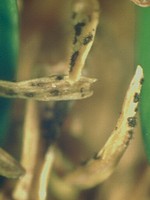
{"x": 9, "y": 40}
{"x": 143, "y": 58}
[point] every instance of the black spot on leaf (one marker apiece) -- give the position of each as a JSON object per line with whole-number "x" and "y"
{"x": 73, "y": 59}
{"x": 131, "y": 121}
{"x": 87, "y": 39}
{"x": 78, "y": 28}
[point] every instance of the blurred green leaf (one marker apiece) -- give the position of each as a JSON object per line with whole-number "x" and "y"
{"x": 143, "y": 58}
{"x": 9, "y": 42}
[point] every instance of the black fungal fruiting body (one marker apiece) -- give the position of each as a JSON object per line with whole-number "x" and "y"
{"x": 141, "y": 81}
{"x": 131, "y": 121}
{"x": 73, "y": 59}
{"x": 78, "y": 28}
{"x": 87, "y": 39}
{"x": 60, "y": 77}
{"x": 136, "y": 98}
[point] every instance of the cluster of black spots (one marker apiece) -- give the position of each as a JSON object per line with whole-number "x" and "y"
{"x": 73, "y": 59}
{"x": 78, "y": 28}
{"x": 131, "y": 121}
{"x": 87, "y": 39}
{"x": 136, "y": 97}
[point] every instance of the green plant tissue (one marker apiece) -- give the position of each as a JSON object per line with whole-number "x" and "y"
{"x": 143, "y": 58}
{"x": 9, "y": 42}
